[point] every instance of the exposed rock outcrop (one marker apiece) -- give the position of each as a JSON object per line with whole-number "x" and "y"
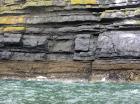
{"x": 90, "y": 39}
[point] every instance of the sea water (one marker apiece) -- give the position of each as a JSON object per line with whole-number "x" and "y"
{"x": 50, "y": 92}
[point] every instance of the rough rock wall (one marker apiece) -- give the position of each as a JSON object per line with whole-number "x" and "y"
{"x": 90, "y": 39}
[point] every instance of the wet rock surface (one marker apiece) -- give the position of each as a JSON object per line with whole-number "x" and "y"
{"x": 73, "y": 31}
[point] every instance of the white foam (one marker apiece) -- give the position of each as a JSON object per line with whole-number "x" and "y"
{"x": 103, "y": 79}
{"x": 135, "y": 91}
{"x": 38, "y": 78}
{"x": 42, "y": 78}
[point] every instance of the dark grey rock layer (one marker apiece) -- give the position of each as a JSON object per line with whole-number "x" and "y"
{"x": 69, "y": 30}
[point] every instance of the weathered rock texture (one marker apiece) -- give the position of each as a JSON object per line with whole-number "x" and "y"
{"x": 89, "y": 39}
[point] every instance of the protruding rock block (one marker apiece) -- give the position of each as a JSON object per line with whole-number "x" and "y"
{"x": 82, "y": 42}
{"x": 5, "y": 55}
{"x": 12, "y": 38}
{"x": 83, "y": 56}
{"x": 34, "y": 41}
{"x": 119, "y": 44}
{"x": 85, "y": 47}
{"x": 61, "y": 46}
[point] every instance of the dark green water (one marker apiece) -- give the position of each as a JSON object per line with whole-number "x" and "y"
{"x": 44, "y": 92}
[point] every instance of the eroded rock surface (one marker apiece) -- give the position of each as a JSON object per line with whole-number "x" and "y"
{"x": 71, "y": 35}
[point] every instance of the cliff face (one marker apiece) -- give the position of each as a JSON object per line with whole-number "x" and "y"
{"x": 89, "y": 39}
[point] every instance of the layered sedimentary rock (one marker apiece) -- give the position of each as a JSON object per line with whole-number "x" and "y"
{"x": 89, "y": 39}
